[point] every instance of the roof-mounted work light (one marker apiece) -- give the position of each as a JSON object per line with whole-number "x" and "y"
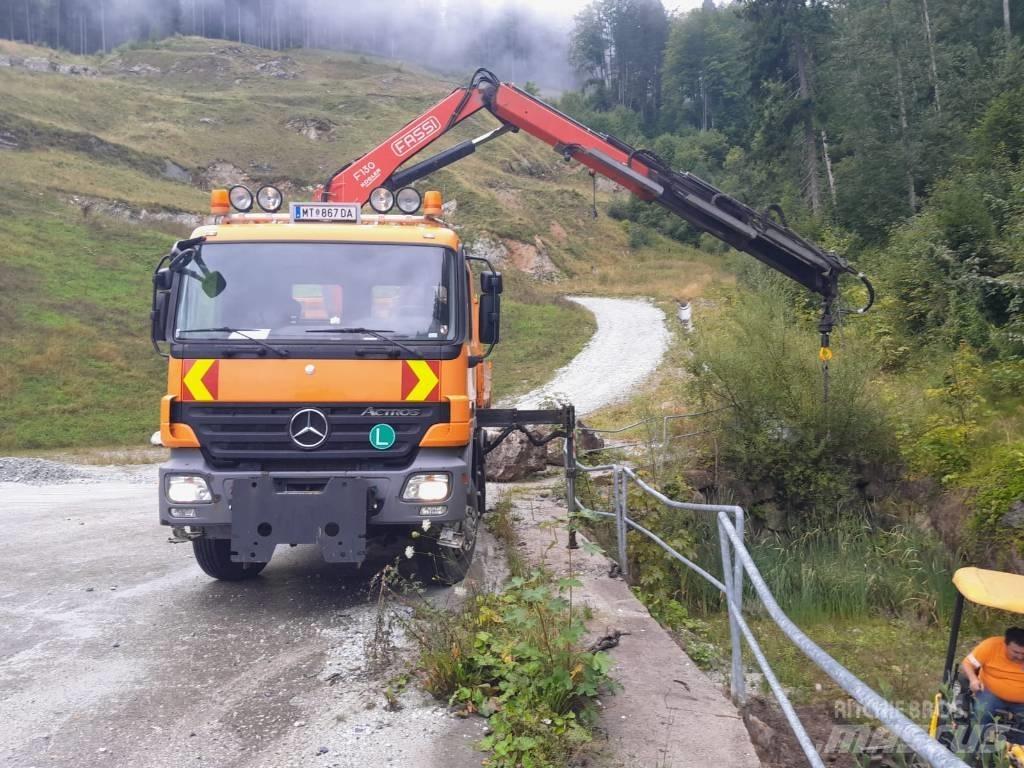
{"x": 382, "y": 199}
{"x": 241, "y": 198}
{"x": 408, "y": 200}
{"x": 269, "y": 198}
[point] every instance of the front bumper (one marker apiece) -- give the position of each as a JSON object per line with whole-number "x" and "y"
{"x": 258, "y": 510}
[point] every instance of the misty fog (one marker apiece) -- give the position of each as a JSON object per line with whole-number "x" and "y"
{"x": 452, "y": 36}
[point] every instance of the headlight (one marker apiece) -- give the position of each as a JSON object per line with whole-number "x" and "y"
{"x": 269, "y": 198}
{"x": 382, "y": 199}
{"x": 241, "y": 198}
{"x": 408, "y": 200}
{"x": 188, "y": 489}
{"x": 426, "y": 487}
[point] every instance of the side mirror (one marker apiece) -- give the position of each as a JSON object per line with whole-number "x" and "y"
{"x": 162, "y": 280}
{"x": 491, "y": 282}
{"x": 490, "y": 317}
{"x": 161, "y": 300}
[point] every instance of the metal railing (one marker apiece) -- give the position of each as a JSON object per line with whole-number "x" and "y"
{"x": 665, "y": 439}
{"x": 652, "y": 441}
{"x": 736, "y": 561}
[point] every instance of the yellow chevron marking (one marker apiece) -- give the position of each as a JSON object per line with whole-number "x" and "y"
{"x": 427, "y": 380}
{"x": 194, "y": 379}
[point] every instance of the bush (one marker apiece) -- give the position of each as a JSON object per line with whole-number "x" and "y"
{"x": 943, "y": 452}
{"x": 639, "y": 236}
{"x": 644, "y": 219}
{"x": 759, "y": 360}
{"x": 1000, "y": 484}
{"x": 1006, "y": 378}
{"x": 515, "y": 657}
{"x": 946, "y": 447}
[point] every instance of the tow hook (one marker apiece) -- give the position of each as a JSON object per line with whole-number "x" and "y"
{"x": 374, "y": 501}
{"x": 179, "y": 535}
{"x": 450, "y": 537}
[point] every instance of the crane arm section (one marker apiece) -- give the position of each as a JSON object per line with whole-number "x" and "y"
{"x": 354, "y": 182}
{"x": 761, "y": 234}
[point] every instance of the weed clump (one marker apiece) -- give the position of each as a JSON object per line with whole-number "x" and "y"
{"x": 516, "y": 658}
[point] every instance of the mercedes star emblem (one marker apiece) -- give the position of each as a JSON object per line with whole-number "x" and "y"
{"x": 309, "y": 428}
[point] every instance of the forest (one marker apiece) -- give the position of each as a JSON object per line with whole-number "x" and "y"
{"x": 855, "y": 116}
{"x": 891, "y": 131}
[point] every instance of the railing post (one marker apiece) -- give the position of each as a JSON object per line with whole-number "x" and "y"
{"x": 621, "y": 512}
{"x": 737, "y": 598}
{"x": 737, "y": 684}
{"x": 570, "y": 472}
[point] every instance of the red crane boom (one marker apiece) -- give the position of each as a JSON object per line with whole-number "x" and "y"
{"x": 762, "y": 234}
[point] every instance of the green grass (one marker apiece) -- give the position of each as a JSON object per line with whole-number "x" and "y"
{"x": 75, "y": 365}
{"x": 537, "y": 339}
{"x": 518, "y": 658}
{"x": 900, "y": 658}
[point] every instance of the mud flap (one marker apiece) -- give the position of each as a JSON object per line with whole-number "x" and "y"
{"x": 263, "y": 517}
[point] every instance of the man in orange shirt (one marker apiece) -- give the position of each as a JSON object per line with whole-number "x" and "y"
{"x": 995, "y": 669}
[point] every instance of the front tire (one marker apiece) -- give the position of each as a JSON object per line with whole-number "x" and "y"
{"x": 214, "y": 557}
{"x": 437, "y": 564}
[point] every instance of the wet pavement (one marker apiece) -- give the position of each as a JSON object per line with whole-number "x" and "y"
{"x": 116, "y": 650}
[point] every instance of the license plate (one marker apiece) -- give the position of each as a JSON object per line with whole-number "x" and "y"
{"x": 343, "y": 212}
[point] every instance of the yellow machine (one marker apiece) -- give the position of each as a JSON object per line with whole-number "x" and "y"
{"x": 953, "y": 720}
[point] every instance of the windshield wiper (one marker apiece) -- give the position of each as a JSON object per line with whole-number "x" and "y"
{"x": 377, "y": 333}
{"x": 229, "y": 329}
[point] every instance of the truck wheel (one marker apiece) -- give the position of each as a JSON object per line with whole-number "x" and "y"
{"x": 214, "y": 557}
{"x": 446, "y": 565}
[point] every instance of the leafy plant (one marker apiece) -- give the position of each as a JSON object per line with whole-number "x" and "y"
{"x": 515, "y": 657}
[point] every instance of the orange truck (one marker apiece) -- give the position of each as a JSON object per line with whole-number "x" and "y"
{"x": 322, "y": 385}
{"x": 327, "y": 378}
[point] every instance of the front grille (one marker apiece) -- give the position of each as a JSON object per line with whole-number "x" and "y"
{"x": 255, "y": 436}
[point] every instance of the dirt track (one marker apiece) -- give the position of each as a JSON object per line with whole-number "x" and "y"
{"x": 627, "y": 347}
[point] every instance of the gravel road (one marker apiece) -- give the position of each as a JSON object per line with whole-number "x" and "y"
{"x": 630, "y": 340}
{"x": 115, "y": 650}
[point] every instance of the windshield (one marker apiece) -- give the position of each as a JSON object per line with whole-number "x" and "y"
{"x": 286, "y": 290}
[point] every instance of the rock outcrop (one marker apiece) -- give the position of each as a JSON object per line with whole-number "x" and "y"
{"x": 313, "y": 128}
{"x": 515, "y": 458}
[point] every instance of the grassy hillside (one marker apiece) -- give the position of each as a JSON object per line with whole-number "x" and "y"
{"x": 97, "y": 171}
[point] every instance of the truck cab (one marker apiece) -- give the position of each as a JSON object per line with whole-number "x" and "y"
{"x": 323, "y": 381}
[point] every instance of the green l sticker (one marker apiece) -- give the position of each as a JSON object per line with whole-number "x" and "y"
{"x": 382, "y": 436}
